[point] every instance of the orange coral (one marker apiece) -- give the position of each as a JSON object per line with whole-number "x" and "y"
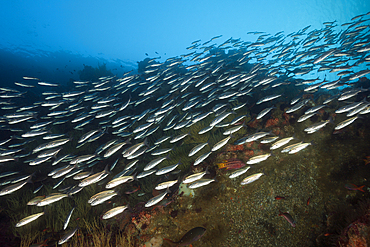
{"x": 142, "y": 219}
{"x": 286, "y": 116}
{"x": 272, "y": 122}
{"x": 249, "y": 153}
{"x": 254, "y": 123}
{"x": 233, "y": 148}
{"x": 249, "y": 144}
{"x": 277, "y": 131}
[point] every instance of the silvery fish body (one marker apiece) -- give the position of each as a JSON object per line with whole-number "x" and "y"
{"x": 197, "y": 148}
{"x": 166, "y": 185}
{"x": 113, "y": 212}
{"x": 29, "y": 219}
{"x": 258, "y": 159}
{"x": 251, "y": 178}
{"x": 281, "y": 143}
{"x": 239, "y": 172}
{"x": 167, "y": 169}
{"x": 201, "y": 182}
{"x": 156, "y": 199}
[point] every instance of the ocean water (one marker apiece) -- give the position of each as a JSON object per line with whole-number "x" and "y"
{"x": 117, "y": 82}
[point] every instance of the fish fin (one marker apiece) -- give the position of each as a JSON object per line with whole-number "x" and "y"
{"x": 169, "y": 242}
{"x": 360, "y": 188}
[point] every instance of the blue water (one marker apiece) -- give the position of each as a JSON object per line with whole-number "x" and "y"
{"x": 46, "y": 35}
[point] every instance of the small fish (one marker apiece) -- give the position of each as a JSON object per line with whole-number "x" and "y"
{"x": 346, "y": 122}
{"x": 51, "y": 199}
{"x": 354, "y": 187}
{"x": 221, "y": 143}
{"x": 66, "y": 222}
{"x": 201, "y": 182}
{"x": 28, "y": 219}
{"x": 68, "y": 236}
{"x": 35, "y": 200}
{"x": 239, "y": 172}
{"x": 154, "y": 200}
{"x": 231, "y": 164}
{"x": 258, "y": 159}
{"x": 251, "y": 178}
{"x": 288, "y": 217}
{"x": 165, "y": 185}
{"x": 279, "y": 198}
{"x": 194, "y": 177}
{"x": 367, "y": 160}
{"x": 113, "y": 212}
{"x": 201, "y": 158}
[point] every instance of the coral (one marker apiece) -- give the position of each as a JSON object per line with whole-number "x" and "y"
{"x": 272, "y": 122}
{"x": 142, "y": 220}
{"x": 155, "y": 241}
{"x": 233, "y": 148}
{"x": 249, "y": 153}
{"x": 287, "y": 117}
{"x": 276, "y": 131}
{"x": 249, "y": 144}
{"x": 254, "y": 123}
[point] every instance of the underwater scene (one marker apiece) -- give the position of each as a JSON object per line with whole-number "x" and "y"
{"x": 261, "y": 142}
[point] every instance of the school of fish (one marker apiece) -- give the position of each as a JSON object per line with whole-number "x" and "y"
{"x": 213, "y": 85}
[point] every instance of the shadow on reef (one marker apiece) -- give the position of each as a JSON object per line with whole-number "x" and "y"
{"x": 347, "y": 225}
{"x": 93, "y": 74}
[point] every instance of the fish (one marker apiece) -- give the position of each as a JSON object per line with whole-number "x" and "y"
{"x": 93, "y": 178}
{"x": 239, "y": 172}
{"x": 268, "y": 98}
{"x": 29, "y": 219}
{"x": 354, "y": 187}
{"x": 208, "y": 95}
{"x": 66, "y": 222}
{"x": 102, "y": 198}
{"x": 35, "y": 200}
{"x": 231, "y": 164}
{"x": 11, "y": 188}
{"x": 190, "y": 237}
{"x": 221, "y": 143}
{"x": 281, "y": 143}
{"x": 346, "y": 122}
{"x": 201, "y": 182}
{"x": 195, "y": 177}
{"x": 154, "y": 163}
{"x": 315, "y": 127}
{"x": 251, "y": 178}
{"x": 167, "y": 169}
{"x": 67, "y": 236}
{"x": 258, "y": 158}
{"x": 299, "y": 147}
{"x": 51, "y": 199}
{"x": 166, "y": 185}
{"x": 197, "y": 148}
{"x": 201, "y": 158}
{"x": 113, "y": 212}
{"x": 117, "y": 181}
{"x": 288, "y": 217}
{"x": 155, "y": 200}
{"x": 279, "y": 198}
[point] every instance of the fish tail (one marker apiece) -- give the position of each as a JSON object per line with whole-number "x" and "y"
{"x": 170, "y": 242}
{"x": 360, "y": 188}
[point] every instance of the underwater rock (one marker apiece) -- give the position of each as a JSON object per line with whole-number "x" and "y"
{"x": 156, "y": 241}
